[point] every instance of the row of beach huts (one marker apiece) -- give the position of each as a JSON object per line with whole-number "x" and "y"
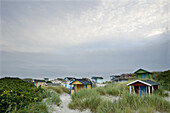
{"x": 141, "y": 84}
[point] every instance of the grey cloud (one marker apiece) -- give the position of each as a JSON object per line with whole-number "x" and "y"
{"x": 85, "y": 62}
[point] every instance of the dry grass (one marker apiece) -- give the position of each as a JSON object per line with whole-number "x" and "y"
{"x": 58, "y": 89}
{"x": 128, "y": 103}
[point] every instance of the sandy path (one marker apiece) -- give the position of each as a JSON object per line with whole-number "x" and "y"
{"x": 168, "y": 98}
{"x": 63, "y": 108}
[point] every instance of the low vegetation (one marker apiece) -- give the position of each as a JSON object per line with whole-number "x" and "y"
{"x": 163, "y": 78}
{"x": 16, "y": 93}
{"x": 85, "y": 99}
{"x": 127, "y": 103}
{"x": 58, "y": 89}
{"x": 18, "y": 96}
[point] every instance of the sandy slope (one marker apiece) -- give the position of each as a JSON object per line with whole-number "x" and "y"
{"x": 168, "y": 98}
{"x": 63, "y": 108}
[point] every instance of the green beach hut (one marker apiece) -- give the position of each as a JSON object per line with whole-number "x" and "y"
{"x": 143, "y": 74}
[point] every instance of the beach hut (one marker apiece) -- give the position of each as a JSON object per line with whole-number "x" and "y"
{"x": 68, "y": 81}
{"x": 117, "y": 78}
{"x": 99, "y": 80}
{"x": 143, "y": 74}
{"x": 143, "y": 87}
{"x": 79, "y": 84}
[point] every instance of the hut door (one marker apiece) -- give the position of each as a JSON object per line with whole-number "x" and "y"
{"x": 137, "y": 89}
{"x": 142, "y": 75}
{"x": 142, "y": 90}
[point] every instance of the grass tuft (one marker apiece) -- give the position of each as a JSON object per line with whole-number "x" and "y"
{"x": 58, "y": 89}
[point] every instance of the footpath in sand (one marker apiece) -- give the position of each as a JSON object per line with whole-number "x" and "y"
{"x": 168, "y": 98}
{"x": 63, "y": 108}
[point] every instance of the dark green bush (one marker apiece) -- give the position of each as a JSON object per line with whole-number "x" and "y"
{"x": 15, "y": 92}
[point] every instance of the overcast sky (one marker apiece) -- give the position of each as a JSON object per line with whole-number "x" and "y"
{"x": 83, "y": 38}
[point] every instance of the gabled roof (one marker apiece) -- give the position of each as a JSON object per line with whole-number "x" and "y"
{"x": 147, "y": 82}
{"x": 36, "y": 80}
{"x": 97, "y": 78}
{"x": 151, "y": 82}
{"x": 141, "y": 70}
{"x": 83, "y": 81}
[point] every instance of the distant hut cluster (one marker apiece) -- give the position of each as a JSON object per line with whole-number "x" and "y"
{"x": 142, "y": 86}
{"x": 40, "y": 82}
{"x": 120, "y": 78}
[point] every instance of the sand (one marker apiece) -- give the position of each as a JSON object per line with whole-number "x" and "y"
{"x": 168, "y": 98}
{"x": 63, "y": 108}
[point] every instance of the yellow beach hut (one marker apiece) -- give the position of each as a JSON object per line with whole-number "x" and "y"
{"x": 78, "y": 84}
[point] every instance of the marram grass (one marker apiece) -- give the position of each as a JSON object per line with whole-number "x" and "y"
{"x": 127, "y": 103}
{"x": 58, "y": 89}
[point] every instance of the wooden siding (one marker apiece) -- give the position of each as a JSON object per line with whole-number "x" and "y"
{"x": 88, "y": 86}
{"x": 147, "y": 75}
{"x": 155, "y": 87}
{"x": 136, "y": 89}
{"x": 72, "y": 91}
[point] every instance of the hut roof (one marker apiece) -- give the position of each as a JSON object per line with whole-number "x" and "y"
{"x": 97, "y": 78}
{"x": 142, "y": 71}
{"x": 83, "y": 81}
{"x": 36, "y": 80}
{"x": 147, "y": 82}
{"x": 151, "y": 82}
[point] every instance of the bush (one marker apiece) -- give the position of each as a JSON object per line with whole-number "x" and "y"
{"x": 17, "y": 93}
{"x": 164, "y": 79}
{"x": 161, "y": 92}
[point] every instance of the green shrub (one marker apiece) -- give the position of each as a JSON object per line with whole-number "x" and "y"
{"x": 15, "y": 92}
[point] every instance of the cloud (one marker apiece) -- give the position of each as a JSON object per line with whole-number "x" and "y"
{"x": 156, "y": 32}
{"x": 79, "y": 62}
{"x": 87, "y": 38}
{"x": 108, "y": 20}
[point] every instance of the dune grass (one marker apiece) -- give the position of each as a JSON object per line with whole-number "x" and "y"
{"x": 127, "y": 103}
{"x": 85, "y": 99}
{"x": 58, "y": 89}
{"x": 112, "y": 89}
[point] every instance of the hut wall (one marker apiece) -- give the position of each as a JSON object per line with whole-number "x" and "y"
{"x": 155, "y": 87}
{"x": 88, "y": 86}
{"x": 72, "y": 91}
